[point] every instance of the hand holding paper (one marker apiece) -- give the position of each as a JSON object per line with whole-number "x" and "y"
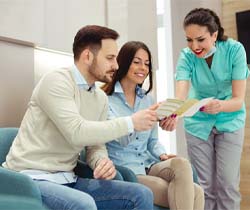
{"x": 181, "y": 108}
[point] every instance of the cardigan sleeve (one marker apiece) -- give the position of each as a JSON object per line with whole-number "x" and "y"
{"x": 97, "y": 152}
{"x": 55, "y": 96}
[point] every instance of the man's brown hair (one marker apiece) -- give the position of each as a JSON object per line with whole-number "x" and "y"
{"x": 91, "y": 37}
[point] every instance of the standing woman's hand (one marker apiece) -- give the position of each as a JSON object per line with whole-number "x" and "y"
{"x": 213, "y": 107}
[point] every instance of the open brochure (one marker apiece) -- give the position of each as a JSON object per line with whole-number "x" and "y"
{"x": 185, "y": 108}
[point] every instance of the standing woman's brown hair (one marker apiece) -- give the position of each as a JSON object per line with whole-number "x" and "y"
{"x": 208, "y": 18}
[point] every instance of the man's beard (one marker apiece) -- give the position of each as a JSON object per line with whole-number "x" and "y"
{"x": 93, "y": 69}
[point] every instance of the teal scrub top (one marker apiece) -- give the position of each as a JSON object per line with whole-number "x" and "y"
{"x": 229, "y": 63}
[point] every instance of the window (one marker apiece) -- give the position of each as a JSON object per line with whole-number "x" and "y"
{"x": 165, "y": 73}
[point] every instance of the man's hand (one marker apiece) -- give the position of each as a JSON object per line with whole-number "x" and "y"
{"x": 169, "y": 123}
{"x": 145, "y": 119}
{"x": 104, "y": 169}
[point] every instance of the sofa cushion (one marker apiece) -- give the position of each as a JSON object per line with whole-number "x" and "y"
{"x": 7, "y": 136}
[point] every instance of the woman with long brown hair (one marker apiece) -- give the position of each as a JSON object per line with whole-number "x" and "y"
{"x": 168, "y": 176}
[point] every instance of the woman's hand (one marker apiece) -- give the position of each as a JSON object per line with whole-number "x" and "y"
{"x": 166, "y": 157}
{"x": 169, "y": 123}
{"x": 213, "y": 107}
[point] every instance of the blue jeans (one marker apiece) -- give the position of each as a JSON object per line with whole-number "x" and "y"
{"x": 92, "y": 194}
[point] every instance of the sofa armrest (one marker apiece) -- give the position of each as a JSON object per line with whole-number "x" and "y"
{"x": 12, "y": 202}
{"x": 83, "y": 170}
{"x": 14, "y": 183}
{"x": 127, "y": 174}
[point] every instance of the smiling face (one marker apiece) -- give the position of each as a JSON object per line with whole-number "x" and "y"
{"x": 139, "y": 68}
{"x": 199, "y": 39}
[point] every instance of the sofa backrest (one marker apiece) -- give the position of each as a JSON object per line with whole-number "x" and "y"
{"x": 7, "y": 135}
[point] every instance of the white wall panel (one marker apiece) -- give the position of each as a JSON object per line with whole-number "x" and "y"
{"x": 16, "y": 82}
{"x": 63, "y": 18}
{"x": 22, "y": 20}
{"x": 49, "y": 23}
{"x": 142, "y": 23}
{"x": 135, "y": 20}
{"x": 117, "y": 18}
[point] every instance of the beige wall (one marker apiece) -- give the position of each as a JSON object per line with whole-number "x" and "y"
{"x": 16, "y": 81}
{"x": 229, "y": 8}
{"x": 245, "y": 159}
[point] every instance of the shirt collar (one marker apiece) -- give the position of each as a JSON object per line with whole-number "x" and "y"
{"x": 138, "y": 90}
{"x": 80, "y": 80}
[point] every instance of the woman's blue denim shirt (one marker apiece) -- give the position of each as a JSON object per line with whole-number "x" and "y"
{"x": 139, "y": 150}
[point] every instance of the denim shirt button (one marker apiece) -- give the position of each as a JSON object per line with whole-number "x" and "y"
{"x": 139, "y": 154}
{"x": 137, "y": 138}
{"x": 141, "y": 163}
{"x": 136, "y": 148}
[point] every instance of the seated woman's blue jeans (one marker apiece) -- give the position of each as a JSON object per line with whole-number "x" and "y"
{"x": 92, "y": 194}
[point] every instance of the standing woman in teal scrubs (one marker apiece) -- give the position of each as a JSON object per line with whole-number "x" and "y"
{"x": 214, "y": 66}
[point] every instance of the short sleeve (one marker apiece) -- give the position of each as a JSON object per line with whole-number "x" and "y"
{"x": 240, "y": 70}
{"x": 183, "y": 68}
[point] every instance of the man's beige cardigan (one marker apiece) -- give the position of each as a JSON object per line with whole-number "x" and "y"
{"x": 60, "y": 121}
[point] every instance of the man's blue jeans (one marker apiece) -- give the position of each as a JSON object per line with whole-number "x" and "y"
{"x": 92, "y": 194}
